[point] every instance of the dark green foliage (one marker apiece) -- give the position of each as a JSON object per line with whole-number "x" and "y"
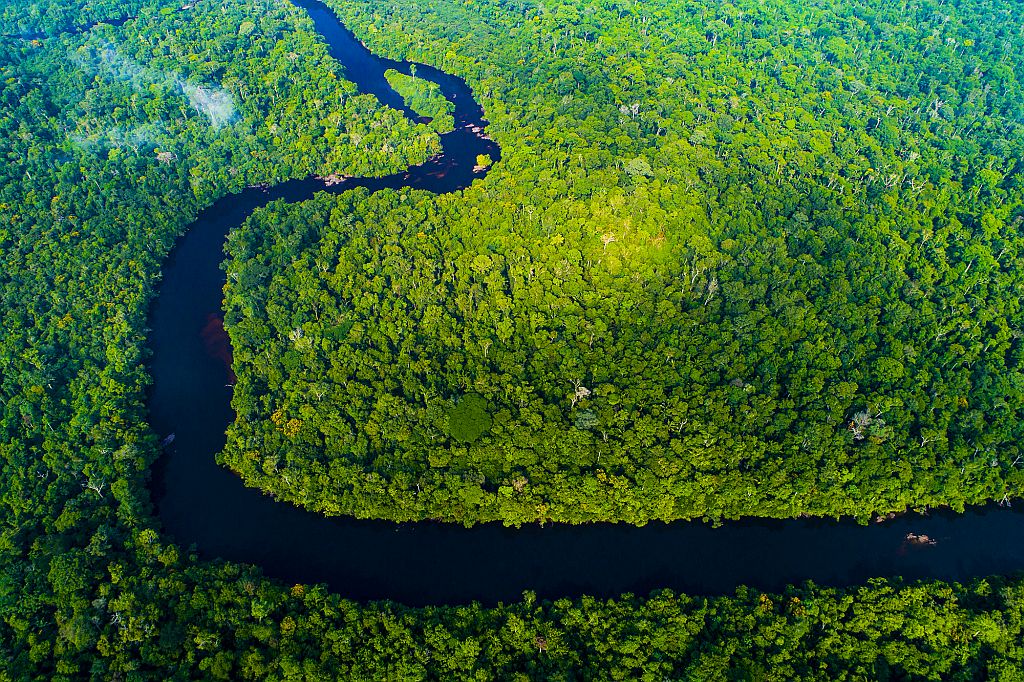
{"x": 469, "y": 419}
{"x": 225, "y": 623}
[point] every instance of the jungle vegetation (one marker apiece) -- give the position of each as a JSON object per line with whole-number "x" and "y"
{"x": 743, "y": 260}
{"x": 113, "y": 138}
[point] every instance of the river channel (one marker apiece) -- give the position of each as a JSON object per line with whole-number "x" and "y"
{"x": 203, "y": 505}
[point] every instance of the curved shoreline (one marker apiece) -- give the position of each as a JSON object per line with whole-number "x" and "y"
{"x": 207, "y": 506}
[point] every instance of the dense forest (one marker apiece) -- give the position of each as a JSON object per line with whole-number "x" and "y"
{"x": 36, "y": 20}
{"x": 114, "y": 137}
{"x": 748, "y": 259}
{"x": 160, "y": 622}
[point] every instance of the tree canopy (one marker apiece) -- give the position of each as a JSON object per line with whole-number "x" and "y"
{"x": 748, "y": 257}
{"x": 737, "y": 260}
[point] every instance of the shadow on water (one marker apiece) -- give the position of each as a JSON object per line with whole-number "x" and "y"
{"x": 205, "y": 505}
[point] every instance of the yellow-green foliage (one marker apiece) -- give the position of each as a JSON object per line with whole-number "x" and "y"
{"x": 736, "y": 260}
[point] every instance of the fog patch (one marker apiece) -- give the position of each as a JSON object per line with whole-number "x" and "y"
{"x": 139, "y": 137}
{"x": 105, "y": 60}
{"x": 216, "y": 104}
{"x": 212, "y": 101}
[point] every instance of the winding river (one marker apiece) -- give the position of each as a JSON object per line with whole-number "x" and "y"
{"x": 206, "y": 506}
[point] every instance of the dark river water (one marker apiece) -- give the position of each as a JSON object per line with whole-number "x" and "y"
{"x": 206, "y": 506}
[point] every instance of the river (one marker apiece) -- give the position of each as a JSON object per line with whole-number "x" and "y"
{"x": 203, "y": 505}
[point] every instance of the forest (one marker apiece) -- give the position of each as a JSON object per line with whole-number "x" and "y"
{"x": 763, "y": 263}
{"x": 749, "y": 258}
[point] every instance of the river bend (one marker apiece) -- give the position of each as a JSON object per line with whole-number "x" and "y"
{"x": 203, "y": 505}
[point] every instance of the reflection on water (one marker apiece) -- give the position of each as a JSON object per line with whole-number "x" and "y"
{"x": 218, "y": 344}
